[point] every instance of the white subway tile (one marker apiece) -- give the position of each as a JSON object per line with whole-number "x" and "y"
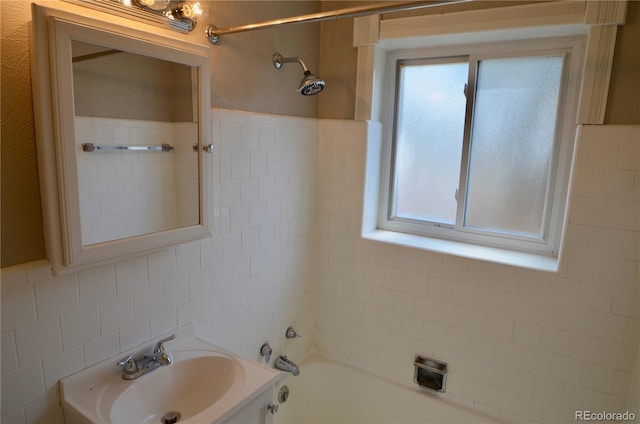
{"x": 598, "y": 378}
{"x": 610, "y": 403}
{"x": 599, "y": 153}
{"x": 37, "y": 341}
{"x": 609, "y": 327}
{"x": 556, "y": 341}
{"x": 187, "y": 257}
{"x": 134, "y": 335}
{"x": 587, "y": 348}
{"x": 546, "y": 313}
{"x": 18, "y": 304}
{"x": 21, "y": 387}
{"x": 526, "y": 333}
{"x": 9, "y": 354}
{"x": 619, "y": 356}
{"x": 56, "y": 296}
{"x": 147, "y": 302}
{"x": 632, "y": 332}
{"x": 101, "y": 348}
{"x": 16, "y": 417}
{"x": 624, "y": 215}
{"x": 618, "y": 272}
{"x": 116, "y": 313}
{"x": 164, "y": 322}
{"x": 79, "y": 326}
{"x": 97, "y": 284}
{"x": 577, "y": 319}
{"x": 616, "y": 184}
{"x": 175, "y": 292}
{"x": 250, "y": 190}
{"x": 47, "y": 409}
{"x": 131, "y": 275}
{"x": 567, "y": 369}
{"x": 622, "y": 383}
{"x": 577, "y": 397}
{"x": 596, "y": 297}
{"x": 629, "y": 155}
{"x": 61, "y": 365}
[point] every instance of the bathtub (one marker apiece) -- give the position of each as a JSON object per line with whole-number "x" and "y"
{"x": 327, "y": 391}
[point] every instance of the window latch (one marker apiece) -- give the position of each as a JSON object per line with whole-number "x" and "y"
{"x": 466, "y": 86}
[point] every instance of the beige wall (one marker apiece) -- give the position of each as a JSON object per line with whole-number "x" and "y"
{"x": 243, "y": 78}
{"x": 243, "y": 75}
{"x": 22, "y": 236}
{"x": 623, "y": 103}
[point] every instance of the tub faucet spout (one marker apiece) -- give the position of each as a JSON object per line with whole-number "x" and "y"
{"x": 285, "y": 364}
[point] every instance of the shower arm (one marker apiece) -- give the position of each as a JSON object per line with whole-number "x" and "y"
{"x": 278, "y": 60}
{"x": 213, "y": 33}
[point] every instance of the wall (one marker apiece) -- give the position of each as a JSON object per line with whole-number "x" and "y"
{"x": 21, "y": 212}
{"x": 339, "y": 58}
{"x": 258, "y": 274}
{"x": 529, "y": 346}
{"x": 243, "y": 75}
{"x": 242, "y": 287}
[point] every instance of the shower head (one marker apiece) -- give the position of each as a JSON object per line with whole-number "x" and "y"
{"x": 311, "y": 84}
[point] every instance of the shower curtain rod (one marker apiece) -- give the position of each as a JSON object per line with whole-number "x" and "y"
{"x": 214, "y": 33}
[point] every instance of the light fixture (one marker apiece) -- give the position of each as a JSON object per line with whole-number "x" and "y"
{"x": 154, "y": 4}
{"x": 186, "y": 11}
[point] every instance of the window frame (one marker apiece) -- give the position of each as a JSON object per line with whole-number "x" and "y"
{"x": 560, "y": 163}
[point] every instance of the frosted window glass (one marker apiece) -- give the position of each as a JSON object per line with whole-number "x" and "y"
{"x": 514, "y": 124}
{"x": 429, "y": 134}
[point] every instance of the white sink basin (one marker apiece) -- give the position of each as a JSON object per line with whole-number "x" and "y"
{"x": 187, "y": 386}
{"x": 204, "y": 384}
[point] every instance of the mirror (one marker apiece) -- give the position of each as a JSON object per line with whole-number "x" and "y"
{"x": 143, "y": 103}
{"x": 123, "y": 165}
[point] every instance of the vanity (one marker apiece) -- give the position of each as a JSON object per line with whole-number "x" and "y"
{"x": 202, "y": 384}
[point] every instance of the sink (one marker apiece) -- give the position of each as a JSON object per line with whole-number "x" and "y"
{"x": 204, "y": 384}
{"x": 184, "y": 387}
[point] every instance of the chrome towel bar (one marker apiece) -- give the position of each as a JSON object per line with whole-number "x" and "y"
{"x": 90, "y": 147}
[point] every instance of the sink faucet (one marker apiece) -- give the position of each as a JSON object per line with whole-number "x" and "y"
{"x": 284, "y": 364}
{"x": 133, "y": 368}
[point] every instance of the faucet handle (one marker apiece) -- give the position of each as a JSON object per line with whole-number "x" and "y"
{"x": 159, "y": 347}
{"x": 266, "y": 351}
{"x": 291, "y": 333}
{"x": 128, "y": 365}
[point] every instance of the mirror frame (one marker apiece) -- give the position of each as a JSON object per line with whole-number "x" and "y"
{"x": 52, "y": 80}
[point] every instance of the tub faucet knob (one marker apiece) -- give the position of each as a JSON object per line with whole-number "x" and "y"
{"x": 266, "y": 351}
{"x": 291, "y": 333}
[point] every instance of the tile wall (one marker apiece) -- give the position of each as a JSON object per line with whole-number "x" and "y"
{"x": 240, "y": 288}
{"x": 528, "y": 346}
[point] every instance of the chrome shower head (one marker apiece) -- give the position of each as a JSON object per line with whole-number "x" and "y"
{"x": 311, "y": 84}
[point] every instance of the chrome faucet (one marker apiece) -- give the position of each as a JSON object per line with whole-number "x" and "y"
{"x": 133, "y": 368}
{"x": 284, "y": 364}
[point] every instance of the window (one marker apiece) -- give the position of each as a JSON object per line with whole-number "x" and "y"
{"x": 478, "y": 144}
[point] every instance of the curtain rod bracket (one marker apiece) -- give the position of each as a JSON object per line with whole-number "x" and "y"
{"x": 211, "y": 35}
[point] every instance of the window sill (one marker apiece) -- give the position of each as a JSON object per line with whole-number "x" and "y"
{"x": 465, "y": 250}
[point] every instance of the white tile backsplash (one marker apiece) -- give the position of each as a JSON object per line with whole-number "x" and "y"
{"x": 527, "y": 345}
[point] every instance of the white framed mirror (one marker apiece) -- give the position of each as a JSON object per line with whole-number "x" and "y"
{"x": 122, "y": 131}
